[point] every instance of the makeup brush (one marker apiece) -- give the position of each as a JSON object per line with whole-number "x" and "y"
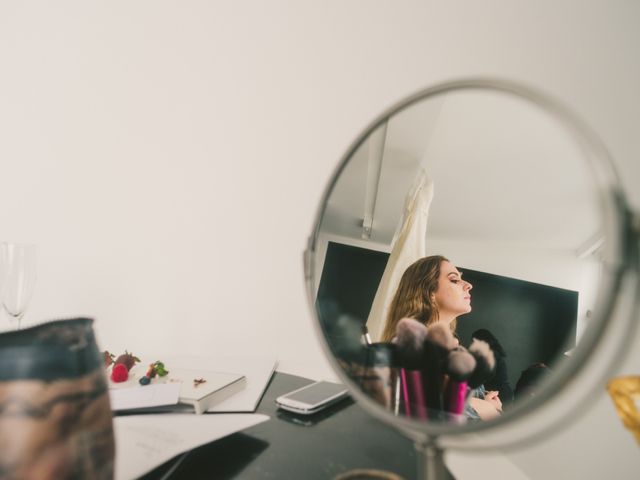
{"x": 410, "y": 341}
{"x": 436, "y": 348}
{"x": 485, "y": 362}
{"x": 460, "y": 366}
{"x": 410, "y": 337}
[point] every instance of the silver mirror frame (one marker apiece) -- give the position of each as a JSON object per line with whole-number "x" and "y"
{"x": 620, "y": 268}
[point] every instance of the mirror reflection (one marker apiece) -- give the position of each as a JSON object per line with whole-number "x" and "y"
{"x": 457, "y": 257}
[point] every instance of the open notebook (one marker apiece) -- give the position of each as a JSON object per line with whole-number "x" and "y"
{"x": 196, "y": 390}
{"x": 193, "y": 385}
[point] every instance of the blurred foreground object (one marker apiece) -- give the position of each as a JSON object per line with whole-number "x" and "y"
{"x": 625, "y": 392}
{"x": 55, "y": 417}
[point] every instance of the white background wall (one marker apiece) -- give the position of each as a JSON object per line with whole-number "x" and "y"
{"x": 168, "y": 157}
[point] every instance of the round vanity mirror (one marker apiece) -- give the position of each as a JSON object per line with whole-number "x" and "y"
{"x": 466, "y": 260}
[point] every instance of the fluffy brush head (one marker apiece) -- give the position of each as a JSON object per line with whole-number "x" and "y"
{"x": 440, "y": 334}
{"x": 410, "y": 337}
{"x": 482, "y": 349}
{"x": 460, "y": 364}
{"x": 485, "y": 362}
{"x": 410, "y": 332}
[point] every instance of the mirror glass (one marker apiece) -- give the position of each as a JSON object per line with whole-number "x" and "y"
{"x": 458, "y": 255}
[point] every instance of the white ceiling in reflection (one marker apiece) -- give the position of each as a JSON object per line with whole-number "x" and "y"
{"x": 504, "y": 172}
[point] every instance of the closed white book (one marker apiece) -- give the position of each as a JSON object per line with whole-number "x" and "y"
{"x": 204, "y": 389}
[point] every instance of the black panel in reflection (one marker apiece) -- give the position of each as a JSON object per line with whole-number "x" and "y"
{"x": 533, "y": 322}
{"x": 348, "y": 284}
{"x": 349, "y": 281}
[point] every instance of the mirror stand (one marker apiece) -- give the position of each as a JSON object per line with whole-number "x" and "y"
{"x": 430, "y": 461}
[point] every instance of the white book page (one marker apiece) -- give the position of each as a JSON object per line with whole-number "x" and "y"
{"x": 257, "y": 370}
{"x": 212, "y": 381}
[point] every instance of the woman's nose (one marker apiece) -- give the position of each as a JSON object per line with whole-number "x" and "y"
{"x": 467, "y": 286}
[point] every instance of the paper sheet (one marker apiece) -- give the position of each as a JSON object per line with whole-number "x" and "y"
{"x": 144, "y": 442}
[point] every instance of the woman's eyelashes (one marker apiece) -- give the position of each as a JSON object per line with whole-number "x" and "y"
{"x": 457, "y": 280}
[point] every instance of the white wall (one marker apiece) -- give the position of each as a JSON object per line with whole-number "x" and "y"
{"x": 168, "y": 157}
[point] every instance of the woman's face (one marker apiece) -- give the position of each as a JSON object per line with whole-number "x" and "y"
{"x": 453, "y": 295}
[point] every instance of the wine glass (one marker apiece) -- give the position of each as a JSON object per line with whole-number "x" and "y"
{"x": 17, "y": 279}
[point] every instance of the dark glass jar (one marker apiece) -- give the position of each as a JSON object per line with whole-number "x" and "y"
{"x": 55, "y": 416}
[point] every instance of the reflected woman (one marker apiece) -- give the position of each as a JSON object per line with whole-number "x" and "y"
{"x": 430, "y": 290}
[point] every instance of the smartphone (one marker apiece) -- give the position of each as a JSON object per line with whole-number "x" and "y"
{"x": 312, "y": 398}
